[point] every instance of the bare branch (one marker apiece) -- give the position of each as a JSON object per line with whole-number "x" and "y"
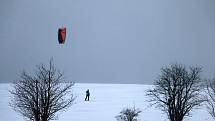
{"x": 40, "y": 97}
{"x": 176, "y": 91}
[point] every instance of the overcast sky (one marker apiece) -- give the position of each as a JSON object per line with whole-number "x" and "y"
{"x": 108, "y": 41}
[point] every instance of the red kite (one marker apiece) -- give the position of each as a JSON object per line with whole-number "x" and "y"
{"x": 61, "y": 35}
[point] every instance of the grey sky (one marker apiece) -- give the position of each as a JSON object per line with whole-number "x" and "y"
{"x": 109, "y": 41}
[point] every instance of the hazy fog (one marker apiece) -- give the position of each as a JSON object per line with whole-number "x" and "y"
{"x": 108, "y": 41}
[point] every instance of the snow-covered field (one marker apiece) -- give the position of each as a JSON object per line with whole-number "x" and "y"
{"x": 106, "y": 101}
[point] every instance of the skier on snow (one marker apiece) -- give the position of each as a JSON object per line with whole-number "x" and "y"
{"x": 87, "y": 95}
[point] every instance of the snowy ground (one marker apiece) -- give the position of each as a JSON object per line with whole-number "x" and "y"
{"x": 106, "y": 101}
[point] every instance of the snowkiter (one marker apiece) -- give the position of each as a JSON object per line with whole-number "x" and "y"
{"x": 87, "y": 98}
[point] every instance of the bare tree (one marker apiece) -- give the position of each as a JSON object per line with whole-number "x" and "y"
{"x": 210, "y": 93}
{"x": 128, "y": 114}
{"x": 177, "y": 91}
{"x": 40, "y": 96}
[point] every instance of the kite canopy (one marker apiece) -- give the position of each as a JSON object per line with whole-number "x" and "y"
{"x": 61, "y": 35}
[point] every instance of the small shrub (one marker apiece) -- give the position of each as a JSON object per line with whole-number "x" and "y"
{"x": 128, "y": 114}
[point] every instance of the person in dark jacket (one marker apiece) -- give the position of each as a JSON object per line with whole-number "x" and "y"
{"x": 87, "y": 98}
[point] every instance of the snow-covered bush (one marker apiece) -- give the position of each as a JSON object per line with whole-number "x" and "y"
{"x": 128, "y": 114}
